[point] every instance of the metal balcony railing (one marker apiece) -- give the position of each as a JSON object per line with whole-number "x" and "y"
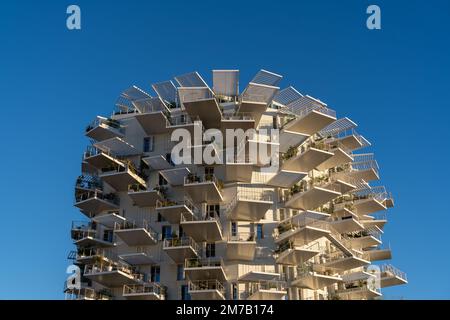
{"x": 242, "y": 237}
{"x": 96, "y": 268}
{"x": 147, "y": 288}
{"x": 388, "y": 268}
{"x": 105, "y": 122}
{"x": 172, "y": 203}
{"x": 254, "y": 287}
{"x": 304, "y": 106}
{"x": 130, "y": 225}
{"x": 89, "y": 182}
{"x": 203, "y": 262}
{"x": 238, "y": 116}
{"x": 207, "y": 285}
{"x": 97, "y": 194}
{"x": 209, "y": 216}
{"x": 249, "y": 194}
{"x": 181, "y": 242}
{"x": 194, "y": 179}
{"x": 302, "y": 223}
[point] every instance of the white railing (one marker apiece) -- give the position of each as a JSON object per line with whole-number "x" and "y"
{"x": 203, "y": 262}
{"x": 170, "y": 203}
{"x": 147, "y": 288}
{"x": 206, "y": 285}
{"x": 388, "y": 268}
{"x": 194, "y": 179}
{"x": 182, "y": 242}
{"x": 242, "y": 237}
{"x": 104, "y": 122}
{"x": 131, "y": 225}
{"x": 208, "y": 216}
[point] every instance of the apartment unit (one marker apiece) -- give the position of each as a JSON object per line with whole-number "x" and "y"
{"x": 307, "y": 225}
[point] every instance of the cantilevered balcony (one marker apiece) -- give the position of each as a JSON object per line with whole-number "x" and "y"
{"x": 308, "y": 278}
{"x": 361, "y": 290}
{"x": 117, "y": 147}
{"x": 346, "y": 224}
{"x": 92, "y": 203}
{"x": 182, "y": 120}
{"x": 291, "y": 255}
{"x": 365, "y": 238}
{"x": 120, "y": 177}
{"x": 306, "y": 157}
{"x": 85, "y": 234}
{"x": 134, "y": 234}
{"x": 112, "y": 274}
{"x": 88, "y": 183}
{"x": 364, "y": 167}
{"x": 98, "y": 158}
{"x": 249, "y": 273}
{"x": 241, "y": 246}
{"x": 255, "y": 99}
{"x": 378, "y": 253}
{"x": 301, "y": 232}
{"x": 205, "y": 269}
{"x": 234, "y": 121}
{"x": 153, "y": 115}
{"x": 143, "y": 197}
{"x": 147, "y": 291}
{"x": 171, "y": 210}
{"x": 307, "y": 115}
{"x": 201, "y": 227}
{"x": 139, "y": 256}
{"x": 341, "y": 261}
{"x": 90, "y": 255}
{"x": 175, "y": 177}
{"x": 311, "y": 194}
{"x": 203, "y": 188}
{"x": 351, "y": 140}
{"x": 391, "y": 276}
{"x": 109, "y": 219}
{"x": 238, "y": 168}
{"x": 86, "y": 292}
{"x": 102, "y": 128}
{"x": 180, "y": 249}
{"x": 377, "y": 221}
{"x": 341, "y": 155}
{"x": 267, "y": 290}
{"x": 206, "y": 290}
{"x": 249, "y": 203}
{"x": 200, "y": 102}
{"x": 159, "y": 162}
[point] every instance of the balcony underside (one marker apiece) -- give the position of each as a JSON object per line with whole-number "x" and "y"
{"x": 361, "y": 294}
{"x": 111, "y": 278}
{"x": 367, "y": 206}
{"x": 238, "y": 172}
{"x": 237, "y": 124}
{"x": 378, "y": 255}
{"x": 296, "y": 256}
{"x": 268, "y": 295}
{"x": 315, "y": 281}
{"x": 143, "y": 296}
{"x": 299, "y": 219}
{"x": 173, "y": 213}
{"x": 346, "y": 225}
{"x": 136, "y": 237}
{"x": 109, "y": 220}
{"x": 259, "y": 276}
{"x": 339, "y": 157}
{"x": 205, "y": 273}
{"x": 180, "y": 253}
{"x": 203, "y": 230}
{"x": 206, "y": 295}
{"x": 291, "y": 138}
{"x": 256, "y": 109}
{"x": 103, "y": 132}
{"x": 138, "y": 258}
{"x": 102, "y": 160}
{"x": 175, "y": 177}
{"x": 389, "y": 280}
{"x": 121, "y": 180}
{"x": 379, "y": 223}
{"x": 145, "y": 198}
{"x": 307, "y": 160}
{"x": 207, "y": 110}
{"x": 351, "y": 142}
{"x": 94, "y": 206}
{"x": 91, "y": 242}
{"x": 158, "y": 162}
{"x": 366, "y": 175}
{"x": 118, "y": 146}
{"x": 191, "y": 127}
{"x": 311, "y": 199}
{"x": 346, "y": 263}
{"x": 311, "y": 123}
{"x": 250, "y": 210}
{"x": 241, "y": 250}
{"x": 153, "y": 122}
{"x": 303, "y": 235}
{"x": 286, "y": 178}
{"x": 364, "y": 242}
{"x": 203, "y": 192}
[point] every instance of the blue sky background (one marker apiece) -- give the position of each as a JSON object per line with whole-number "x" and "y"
{"x": 393, "y": 83}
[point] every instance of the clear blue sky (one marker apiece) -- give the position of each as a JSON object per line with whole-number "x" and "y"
{"x": 393, "y": 83}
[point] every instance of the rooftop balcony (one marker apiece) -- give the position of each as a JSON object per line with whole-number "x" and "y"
{"x": 172, "y": 210}
{"x": 200, "y": 102}
{"x": 391, "y": 276}
{"x": 102, "y": 128}
{"x": 120, "y": 177}
{"x": 269, "y": 290}
{"x": 308, "y": 278}
{"x": 153, "y": 115}
{"x": 134, "y": 234}
{"x": 202, "y": 228}
{"x": 180, "y": 249}
{"x": 307, "y": 115}
{"x": 241, "y": 246}
{"x": 249, "y": 203}
{"x": 205, "y": 269}
{"x": 113, "y": 275}
{"x": 203, "y": 188}
{"x": 91, "y": 203}
{"x": 148, "y": 291}
{"x": 290, "y": 254}
{"x": 85, "y": 234}
{"x": 143, "y": 197}
{"x": 362, "y": 290}
{"x": 206, "y": 290}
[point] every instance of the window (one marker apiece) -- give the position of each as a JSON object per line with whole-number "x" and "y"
{"x": 233, "y": 229}
{"x": 155, "y": 274}
{"x": 166, "y": 232}
{"x": 162, "y": 181}
{"x": 259, "y": 231}
{"x": 185, "y": 292}
{"x": 234, "y": 289}
{"x": 210, "y": 250}
{"x": 181, "y": 231}
{"x": 149, "y": 144}
{"x": 108, "y": 235}
{"x": 213, "y": 209}
{"x": 180, "y": 272}
{"x": 160, "y": 218}
{"x": 282, "y": 214}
